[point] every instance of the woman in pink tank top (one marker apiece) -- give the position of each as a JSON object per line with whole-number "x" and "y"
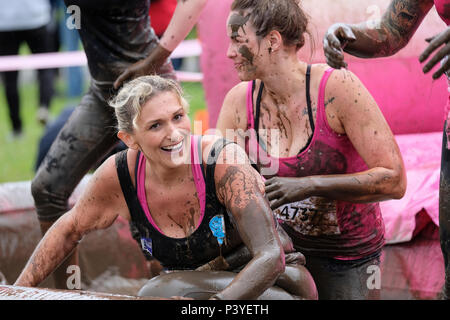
{"x": 321, "y": 141}
{"x": 398, "y": 25}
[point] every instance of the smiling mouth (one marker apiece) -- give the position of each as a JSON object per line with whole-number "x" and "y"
{"x": 173, "y": 148}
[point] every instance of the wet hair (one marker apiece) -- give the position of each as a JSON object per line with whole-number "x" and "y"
{"x": 285, "y": 16}
{"x": 133, "y": 95}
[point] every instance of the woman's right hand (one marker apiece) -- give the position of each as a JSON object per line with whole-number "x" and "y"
{"x": 334, "y": 42}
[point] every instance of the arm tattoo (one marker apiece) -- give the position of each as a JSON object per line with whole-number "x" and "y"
{"x": 402, "y": 18}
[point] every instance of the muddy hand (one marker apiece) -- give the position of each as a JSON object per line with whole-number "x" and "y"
{"x": 442, "y": 39}
{"x": 295, "y": 258}
{"x": 147, "y": 66}
{"x": 334, "y": 41}
{"x": 280, "y": 190}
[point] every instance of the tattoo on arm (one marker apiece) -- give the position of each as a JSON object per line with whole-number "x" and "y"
{"x": 392, "y": 33}
{"x": 403, "y": 17}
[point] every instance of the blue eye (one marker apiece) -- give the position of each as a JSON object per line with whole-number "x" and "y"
{"x": 154, "y": 126}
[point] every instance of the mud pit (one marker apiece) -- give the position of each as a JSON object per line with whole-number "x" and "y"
{"x": 113, "y": 267}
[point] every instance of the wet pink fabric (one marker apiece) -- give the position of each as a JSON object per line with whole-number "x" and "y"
{"x": 405, "y": 217}
{"x": 338, "y": 229}
{"x": 198, "y": 179}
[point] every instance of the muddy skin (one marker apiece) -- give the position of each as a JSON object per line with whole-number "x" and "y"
{"x": 246, "y": 53}
{"x": 241, "y": 193}
{"x": 243, "y": 177}
{"x": 403, "y": 15}
{"x": 397, "y": 26}
{"x": 237, "y": 22}
{"x": 200, "y": 286}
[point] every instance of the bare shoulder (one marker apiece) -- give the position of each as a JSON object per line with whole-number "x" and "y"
{"x": 343, "y": 85}
{"x": 239, "y": 90}
{"x": 233, "y": 113}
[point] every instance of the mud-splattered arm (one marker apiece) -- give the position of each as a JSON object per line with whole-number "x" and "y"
{"x": 380, "y": 38}
{"x": 241, "y": 190}
{"x": 354, "y": 113}
{"x": 184, "y": 18}
{"x": 97, "y": 208}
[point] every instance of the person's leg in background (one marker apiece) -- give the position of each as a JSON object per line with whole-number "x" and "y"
{"x": 12, "y": 97}
{"x": 345, "y": 280}
{"x": 39, "y": 42}
{"x": 70, "y": 41}
{"x": 444, "y": 213}
{"x": 9, "y": 45}
{"x": 86, "y": 137}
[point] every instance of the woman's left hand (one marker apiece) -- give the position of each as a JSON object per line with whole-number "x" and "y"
{"x": 283, "y": 190}
{"x": 442, "y": 38}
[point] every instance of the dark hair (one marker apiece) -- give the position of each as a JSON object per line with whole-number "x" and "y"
{"x": 285, "y": 16}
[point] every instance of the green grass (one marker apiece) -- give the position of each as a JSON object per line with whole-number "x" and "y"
{"x": 17, "y": 156}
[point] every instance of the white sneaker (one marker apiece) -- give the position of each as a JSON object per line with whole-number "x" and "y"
{"x": 42, "y": 115}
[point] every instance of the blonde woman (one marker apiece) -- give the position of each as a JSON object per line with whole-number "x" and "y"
{"x": 194, "y": 200}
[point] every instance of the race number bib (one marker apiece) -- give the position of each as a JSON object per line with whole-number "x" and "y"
{"x": 314, "y": 216}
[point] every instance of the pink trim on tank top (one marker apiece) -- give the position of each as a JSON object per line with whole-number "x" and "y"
{"x": 320, "y": 113}
{"x": 198, "y": 180}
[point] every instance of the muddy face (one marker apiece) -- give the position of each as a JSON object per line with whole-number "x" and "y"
{"x": 246, "y": 53}
{"x": 236, "y": 23}
{"x": 243, "y": 45}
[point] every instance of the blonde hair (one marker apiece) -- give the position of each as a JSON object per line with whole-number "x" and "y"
{"x": 133, "y": 95}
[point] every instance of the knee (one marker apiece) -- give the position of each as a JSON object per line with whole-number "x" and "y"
{"x": 298, "y": 281}
{"x": 50, "y": 204}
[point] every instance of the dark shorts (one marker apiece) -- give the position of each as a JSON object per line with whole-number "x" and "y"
{"x": 346, "y": 280}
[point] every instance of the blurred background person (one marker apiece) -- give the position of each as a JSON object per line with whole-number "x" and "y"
{"x": 26, "y": 21}
{"x": 161, "y": 11}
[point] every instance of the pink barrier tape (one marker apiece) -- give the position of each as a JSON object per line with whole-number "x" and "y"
{"x": 187, "y": 48}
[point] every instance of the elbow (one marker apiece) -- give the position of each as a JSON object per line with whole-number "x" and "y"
{"x": 274, "y": 263}
{"x": 400, "y": 188}
{"x": 398, "y": 184}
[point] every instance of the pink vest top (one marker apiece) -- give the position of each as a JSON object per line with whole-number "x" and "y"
{"x": 320, "y": 226}
{"x": 443, "y": 9}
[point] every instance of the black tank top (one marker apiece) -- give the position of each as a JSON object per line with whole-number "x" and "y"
{"x": 198, "y": 248}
